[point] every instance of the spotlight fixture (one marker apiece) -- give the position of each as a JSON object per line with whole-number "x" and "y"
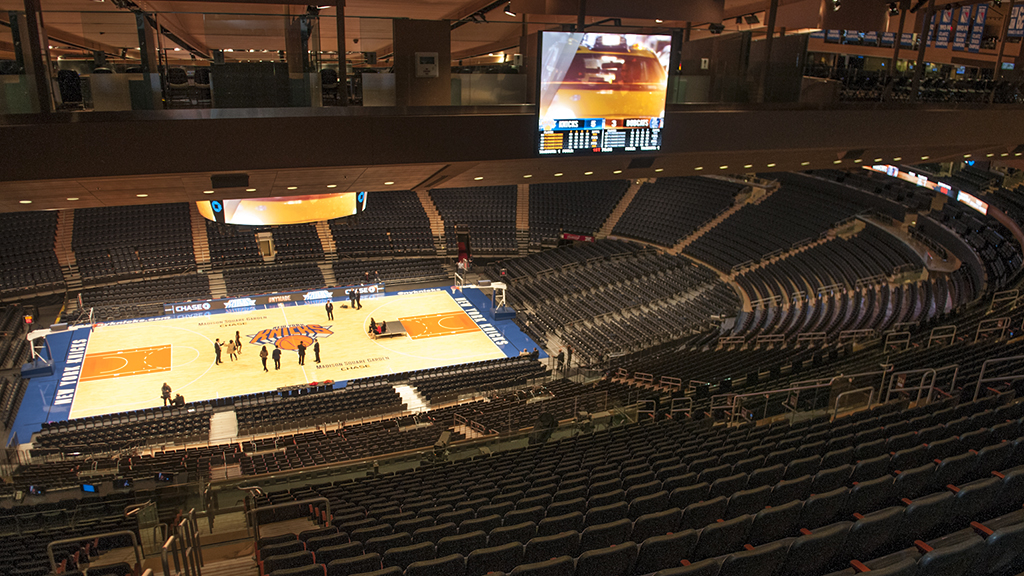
{"x": 508, "y": 10}
{"x": 836, "y": 5}
{"x": 716, "y": 28}
{"x": 894, "y": 9}
{"x": 997, "y": 3}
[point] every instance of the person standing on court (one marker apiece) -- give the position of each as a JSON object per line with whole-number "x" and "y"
{"x": 165, "y": 393}
{"x": 301, "y": 349}
{"x": 231, "y": 350}
{"x": 263, "y": 357}
{"x": 330, "y": 310}
{"x": 352, "y": 299}
{"x": 238, "y": 343}
{"x": 277, "y": 358}
{"x": 216, "y": 350}
{"x": 316, "y": 351}
{"x": 358, "y": 296}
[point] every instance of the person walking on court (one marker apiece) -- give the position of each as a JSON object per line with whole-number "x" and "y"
{"x": 238, "y": 343}
{"x": 165, "y": 393}
{"x": 358, "y": 296}
{"x": 263, "y": 358}
{"x": 231, "y": 350}
{"x": 277, "y": 358}
{"x": 316, "y": 351}
{"x": 216, "y": 350}
{"x": 301, "y": 348}
{"x": 330, "y": 310}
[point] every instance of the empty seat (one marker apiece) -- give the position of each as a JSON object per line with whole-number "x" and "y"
{"x": 749, "y": 501}
{"x": 723, "y": 537}
{"x": 656, "y": 524}
{"x": 498, "y": 558}
{"x": 402, "y": 556}
{"x": 603, "y": 535}
{"x": 451, "y": 565}
{"x": 462, "y": 544}
{"x": 763, "y": 560}
{"x": 556, "y": 524}
{"x": 434, "y": 533}
{"x": 815, "y": 551}
{"x": 610, "y": 561}
{"x": 664, "y": 552}
{"x": 354, "y": 565}
{"x": 560, "y": 566}
{"x": 775, "y": 523}
{"x": 545, "y": 547}
{"x": 521, "y": 533}
{"x": 328, "y": 554}
{"x": 647, "y": 504}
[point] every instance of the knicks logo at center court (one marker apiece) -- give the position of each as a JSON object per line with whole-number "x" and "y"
{"x": 289, "y": 337}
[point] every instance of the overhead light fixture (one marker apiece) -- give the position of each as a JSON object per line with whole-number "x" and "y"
{"x": 716, "y": 28}
{"x": 989, "y": 155}
{"x": 478, "y": 178}
{"x": 924, "y": 157}
{"x": 659, "y": 169}
{"x": 587, "y": 173}
{"x": 24, "y": 201}
{"x": 293, "y": 187}
{"x": 527, "y": 175}
{"x": 508, "y": 10}
{"x": 207, "y": 191}
{"x": 558, "y": 174}
{"x": 620, "y": 171}
{"x": 858, "y": 161}
{"x": 142, "y": 195}
{"x": 836, "y": 5}
{"x": 894, "y": 9}
{"x": 388, "y": 183}
{"x": 72, "y": 199}
{"x": 724, "y": 167}
{"x": 658, "y": 20}
{"x": 771, "y": 164}
{"x": 967, "y": 155}
{"x": 837, "y": 161}
{"x": 699, "y": 168}
{"x": 332, "y": 185}
{"x": 878, "y": 159}
{"x": 805, "y": 163}
{"x": 748, "y": 165}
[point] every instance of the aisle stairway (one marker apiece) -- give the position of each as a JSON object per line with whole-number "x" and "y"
{"x": 756, "y": 197}
{"x": 411, "y": 398}
{"x": 200, "y": 243}
{"x": 620, "y": 208}
{"x": 323, "y": 230}
{"x": 436, "y": 222}
{"x": 328, "y": 271}
{"x": 218, "y": 289}
{"x": 224, "y": 425}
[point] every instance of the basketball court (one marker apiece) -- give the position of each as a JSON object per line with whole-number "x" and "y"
{"x": 126, "y": 364}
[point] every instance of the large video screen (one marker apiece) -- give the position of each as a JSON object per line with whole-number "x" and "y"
{"x": 281, "y": 210}
{"x": 602, "y": 93}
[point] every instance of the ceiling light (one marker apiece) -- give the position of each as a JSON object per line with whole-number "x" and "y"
{"x": 527, "y": 175}
{"x": 658, "y": 20}
{"x": 478, "y": 178}
{"x": 771, "y": 165}
{"x": 967, "y": 155}
{"x": 878, "y": 159}
{"x": 1005, "y": 154}
{"x": 858, "y": 161}
{"x": 587, "y": 173}
{"x": 804, "y": 163}
{"x": 894, "y": 9}
{"x": 1017, "y": 154}
{"x": 293, "y": 187}
{"x": 924, "y": 157}
{"x": 558, "y": 174}
{"x": 332, "y": 185}
{"x": 176, "y": 49}
{"x": 837, "y": 161}
{"x": 388, "y": 183}
{"x": 897, "y": 159}
{"x": 699, "y": 168}
{"x": 207, "y": 191}
{"x": 836, "y": 5}
{"x": 250, "y": 189}
{"x": 723, "y": 167}
{"x": 989, "y": 155}
{"x": 659, "y": 169}
{"x": 72, "y": 199}
{"x": 142, "y": 195}
{"x": 620, "y": 171}
{"x": 508, "y": 10}
{"x": 748, "y": 165}
{"x": 25, "y": 201}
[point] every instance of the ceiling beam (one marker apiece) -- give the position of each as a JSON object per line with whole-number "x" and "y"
{"x": 61, "y": 37}
{"x": 170, "y": 23}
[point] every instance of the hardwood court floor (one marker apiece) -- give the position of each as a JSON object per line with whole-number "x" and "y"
{"x": 126, "y": 364}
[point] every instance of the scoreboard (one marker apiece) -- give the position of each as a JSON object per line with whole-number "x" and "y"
{"x": 588, "y": 136}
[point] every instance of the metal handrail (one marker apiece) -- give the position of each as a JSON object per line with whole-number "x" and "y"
{"x": 871, "y": 394}
{"x": 135, "y": 545}
{"x": 256, "y": 520}
{"x": 924, "y": 372}
{"x": 984, "y": 367}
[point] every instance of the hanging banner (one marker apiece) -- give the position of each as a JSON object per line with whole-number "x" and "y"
{"x": 978, "y": 29}
{"x": 871, "y": 38}
{"x": 945, "y": 26}
{"x": 1016, "y": 28}
{"x": 907, "y": 40}
{"x": 963, "y": 27}
{"x": 929, "y": 35}
{"x": 819, "y": 34}
{"x": 888, "y": 39}
{"x": 852, "y": 37}
{"x": 833, "y": 36}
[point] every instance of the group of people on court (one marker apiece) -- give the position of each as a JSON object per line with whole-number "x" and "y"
{"x": 234, "y": 347}
{"x": 165, "y": 392}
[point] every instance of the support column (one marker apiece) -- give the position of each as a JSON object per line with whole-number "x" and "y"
{"x": 153, "y": 98}
{"x": 342, "y": 62}
{"x": 429, "y": 37}
{"x": 1002, "y": 46}
{"x": 36, "y": 56}
{"x": 887, "y": 92}
{"x": 773, "y": 8}
{"x": 919, "y": 67}
{"x": 581, "y": 16}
